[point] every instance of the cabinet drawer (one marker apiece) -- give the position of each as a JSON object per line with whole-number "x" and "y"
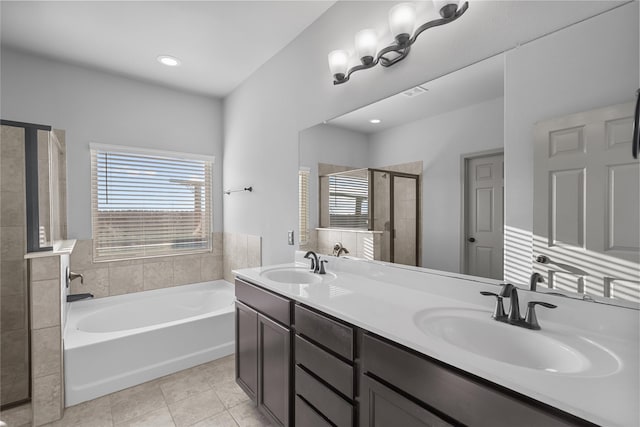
{"x": 329, "y": 333}
{"x": 326, "y": 366}
{"x": 450, "y": 392}
{"x": 306, "y": 416}
{"x": 272, "y": 305}
{"x": 332, "y": 406}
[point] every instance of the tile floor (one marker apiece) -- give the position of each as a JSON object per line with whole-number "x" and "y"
{"x": 203, "y": 396}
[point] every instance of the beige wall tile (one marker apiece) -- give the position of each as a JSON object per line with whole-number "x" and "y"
{"x": 239, "y": 259}
{"x": 18, "y": 416}
{"x": 13, "y": 313}
{"x": 13, "y": 208}
{"x": 15, "y": 351}
{"x": 226, "y": 268}
{"x": 217, "y": 243}
{"x": 254, "y": 251}
{"x": 82, "y": 255}
{"x": 44, "y": 268}
{"x": 211, "y": 267}
{"x": 157, "y": 275}
{"x": 45, "y": 304}
{"x": 349, "y": 241}
{"x": 13, "y": 278}
{"x": 12, "y": 173}
{"x": 46, "y": 351}
{"x": 47, "y": 399}
{"x": 12, "y": 243}
{"x": 124, "y": 279}
{"x": 96, "y": 282}
{"x": 186, "y": 269}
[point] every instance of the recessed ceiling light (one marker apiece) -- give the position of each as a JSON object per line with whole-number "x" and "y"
{"x": 168, "y": 60}
{"x": 375, "y": 121}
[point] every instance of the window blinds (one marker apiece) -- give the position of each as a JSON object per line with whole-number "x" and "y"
{"x": 303, "y": 205}
{"x": 348, "y": 202}
{"x": 149, "y": 204}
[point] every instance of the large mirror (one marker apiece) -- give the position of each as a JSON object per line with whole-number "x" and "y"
{"x": 515, "y": 168}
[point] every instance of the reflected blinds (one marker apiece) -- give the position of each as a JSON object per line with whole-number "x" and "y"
{"x": 303, "y": 205}
{"x": 348, "y": 202}
{"x": 147, "y": 204}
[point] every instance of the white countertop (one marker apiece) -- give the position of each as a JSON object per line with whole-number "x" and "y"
{"x": 385, "y": 299}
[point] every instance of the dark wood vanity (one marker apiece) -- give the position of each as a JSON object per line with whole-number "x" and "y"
{"x": 306, "y": 368}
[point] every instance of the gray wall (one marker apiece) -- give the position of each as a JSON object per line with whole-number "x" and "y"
{"x": 294, "y": 91}
{"x": 587, "y": 66}
{"x": 93, "y": 106}
{"x": 440, "y": 141}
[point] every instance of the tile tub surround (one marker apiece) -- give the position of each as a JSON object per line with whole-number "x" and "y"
{"x": 202, "y": 396}
{"x": 385, "y": 299}
{"x": 360, "y": 243}
{"x": 103, "y": 279}
{"x": 240, "y": 251}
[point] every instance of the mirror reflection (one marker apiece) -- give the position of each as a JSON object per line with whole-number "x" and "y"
{"x": 521, "y": 165}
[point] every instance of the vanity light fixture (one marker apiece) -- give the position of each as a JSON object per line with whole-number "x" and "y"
{"x": 402, "y": 21}
{"x": 169, "y": 61}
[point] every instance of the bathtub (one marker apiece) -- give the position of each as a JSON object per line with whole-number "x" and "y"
{"x": 117, "y": 342}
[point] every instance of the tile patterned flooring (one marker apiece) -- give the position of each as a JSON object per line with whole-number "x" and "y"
{"x": 202, "y": 396}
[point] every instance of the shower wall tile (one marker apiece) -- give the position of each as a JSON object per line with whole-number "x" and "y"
{"x": 13, "y": 313}
{"x": 82, "y": 255}
{"x": 45, "y": 268}
{"x": 211, "y": 267}
{"x": 47, "y": 351}
{"x": 13, "y": 208}
{"x": 96, "y": 282}
{"x": 12, "y": 277}
{"x": 240, "y": 251}
{"x": 12, "y": 243}
{"x": 47, "y": 399}
{"x": 45, "y": 303}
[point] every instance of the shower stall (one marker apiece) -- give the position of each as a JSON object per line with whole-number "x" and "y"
{"x": 377, "y": 200}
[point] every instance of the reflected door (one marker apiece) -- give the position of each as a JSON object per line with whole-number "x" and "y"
{"x": 484, "y": 216}
{"x": 587, "y": 203}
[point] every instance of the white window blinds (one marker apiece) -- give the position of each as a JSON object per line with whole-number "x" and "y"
{"x": 303, "y": 205}
{"x": 348, "y": 202}
{"x": 149, "y": 203}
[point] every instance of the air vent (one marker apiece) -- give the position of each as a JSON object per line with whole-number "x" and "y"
{"x": 414, "y": 91}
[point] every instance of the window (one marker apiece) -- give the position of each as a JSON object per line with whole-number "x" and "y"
{"x": 148, "y": 203}
{"x": 349, "y": 200}
{"x": 303, "y": 205}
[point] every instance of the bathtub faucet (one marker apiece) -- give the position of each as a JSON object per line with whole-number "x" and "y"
{"x": 78, "y": 297}
{"x": 73, "y": 276}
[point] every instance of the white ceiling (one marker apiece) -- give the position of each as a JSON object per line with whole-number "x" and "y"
{"x": 220, "y": 43}
{"x": 471, "y": 85}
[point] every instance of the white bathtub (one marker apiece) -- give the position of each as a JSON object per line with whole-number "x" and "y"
{"x": 117, "y": 342}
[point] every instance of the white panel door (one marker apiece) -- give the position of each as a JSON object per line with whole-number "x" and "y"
{"x": 587, "y": 203}
{"x": 484, "y": 217}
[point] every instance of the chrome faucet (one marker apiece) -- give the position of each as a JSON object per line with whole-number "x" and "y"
{"x": 73, "y": 276}
{"x": 530, "y": 321}
{"x": 315, "y": 267}
{"x": 534, "y": 280}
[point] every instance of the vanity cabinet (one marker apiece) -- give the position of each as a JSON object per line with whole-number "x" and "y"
{"x": 324, "y": 370}
{"x": 263, "y": 350}
{"x": 398, "y": 383}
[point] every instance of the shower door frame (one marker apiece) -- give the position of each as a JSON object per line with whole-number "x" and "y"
{"x": 372, "y": 200}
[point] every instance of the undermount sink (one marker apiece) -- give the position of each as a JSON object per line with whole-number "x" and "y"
{"x": 476, "y": 332}
{"x": 295, "y": 275}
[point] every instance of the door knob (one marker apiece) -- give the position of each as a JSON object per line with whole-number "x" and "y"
{"x": 471, "y": 239}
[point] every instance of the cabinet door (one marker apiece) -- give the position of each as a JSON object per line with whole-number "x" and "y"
{"x": 274, "y": 357}
{"x": 382, "y": 407}
{"x": 247, "y": 349}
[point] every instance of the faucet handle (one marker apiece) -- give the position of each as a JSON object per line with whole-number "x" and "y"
{"x": 322, "y": 262}
{"x": 498, "y": 312}
{"x": 530, "y": 319}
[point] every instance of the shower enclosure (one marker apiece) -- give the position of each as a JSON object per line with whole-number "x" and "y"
{"x": 32, "y": 184}
{"x": 375, "y": 200}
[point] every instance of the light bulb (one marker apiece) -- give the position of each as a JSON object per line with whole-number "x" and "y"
{"x": 402, "y": 20}
{"x": 169, "y": 60}
{"x": 446, "y": 8}
{"x": 366, "y": 45}
{"x": 338, "y": 62}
